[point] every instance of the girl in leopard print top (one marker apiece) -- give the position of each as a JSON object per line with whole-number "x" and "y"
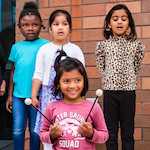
{"x": 118, "y": 60}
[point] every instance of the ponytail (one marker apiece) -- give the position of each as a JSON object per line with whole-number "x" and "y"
{"x": 59, "y": 59}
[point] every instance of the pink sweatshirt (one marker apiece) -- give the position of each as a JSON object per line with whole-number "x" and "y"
{"x": 69, "y": 117}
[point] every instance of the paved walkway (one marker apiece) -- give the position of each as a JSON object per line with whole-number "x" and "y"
{"x": 6, "y": 145}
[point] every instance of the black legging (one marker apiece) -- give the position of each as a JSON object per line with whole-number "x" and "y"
{"x": 119, "y": 106}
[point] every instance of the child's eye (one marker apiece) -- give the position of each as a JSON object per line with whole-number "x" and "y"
{"x": 78, "y": 80}
{"x": 55, "y": 24}
{"x": 115, "y": 18}
{"x": 124, "y": 18}
{"x": 65, "y": 81}
{"x": 65, "y": 23}
{"x": 24, "y": 25}
{"x": 35, "y": 25}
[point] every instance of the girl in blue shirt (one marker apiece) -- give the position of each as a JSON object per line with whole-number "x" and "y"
{"x": 23, "y": 56}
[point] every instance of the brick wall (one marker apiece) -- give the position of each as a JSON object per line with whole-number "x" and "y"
{"x": 88, "y": 17}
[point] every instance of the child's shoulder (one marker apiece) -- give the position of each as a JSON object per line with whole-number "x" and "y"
{"x": 39, "y": 41}
{"x": 138, "y": 42}
{"x": 105, "y": 41}
{"x": 140, "y": 46}
{"x": 18, "y": 44}
{"x": 102, "y": 44}
{"x": 90, "y": 104}
{"x": 46, "y": 46}
{"x": 44, "y": 40}
{"x": 73, "y": 45}
{"x": 54, "y": 104}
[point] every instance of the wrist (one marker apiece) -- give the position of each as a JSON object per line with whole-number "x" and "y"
{"x": 33, "y": 97}
{"x": 90, "y": 138}
{"x": 52, "y": 140}
{"x": 10, "y": 95}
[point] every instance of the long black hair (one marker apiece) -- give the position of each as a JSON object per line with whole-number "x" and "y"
{"x": 107, "y": 33}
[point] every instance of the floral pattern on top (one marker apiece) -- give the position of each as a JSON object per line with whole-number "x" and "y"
{"x": 46, "y": 97}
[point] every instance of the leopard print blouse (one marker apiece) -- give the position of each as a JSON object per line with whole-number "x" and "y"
{"x": 119, "y": 60}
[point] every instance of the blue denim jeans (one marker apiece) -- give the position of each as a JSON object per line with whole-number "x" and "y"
{"x": 20, "y": 114}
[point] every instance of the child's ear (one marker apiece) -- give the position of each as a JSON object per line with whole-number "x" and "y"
{"x": 109, "y": 25}
{"x": 58, "y": 86}
{"x": 50, "y": 30}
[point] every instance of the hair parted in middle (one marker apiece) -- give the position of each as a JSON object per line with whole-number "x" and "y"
{"x": 109, "y": 33}
{"x": 68, "y": 65}
{"x": 57, "y": 13}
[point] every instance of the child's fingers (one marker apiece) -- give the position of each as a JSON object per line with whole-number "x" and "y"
{"x": 36, "y": 103}
{"x": 86, "y": 124}
{"x": 9, "y": 106}
{"x": 55, "y": 128}
{"x": 86, "y": 129}
{"x": 55, "y": 131}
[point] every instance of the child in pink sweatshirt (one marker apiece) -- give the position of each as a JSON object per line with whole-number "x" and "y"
{"x": 69, "y": 130}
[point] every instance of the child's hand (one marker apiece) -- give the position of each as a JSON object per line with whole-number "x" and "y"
{"x": 9, "y": 104}
{"x": 35, "y": 102}
{"x": 3, "y": 88}
{"x": 55, "y": 131}
{"x": 86, "y": 129}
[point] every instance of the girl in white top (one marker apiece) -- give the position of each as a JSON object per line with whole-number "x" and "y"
{"x": 60, "y": 28}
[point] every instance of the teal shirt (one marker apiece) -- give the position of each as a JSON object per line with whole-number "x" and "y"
{"x": 23, "y": 54}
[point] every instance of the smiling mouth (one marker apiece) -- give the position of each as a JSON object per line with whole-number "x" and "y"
{"x": 73, "y": 91}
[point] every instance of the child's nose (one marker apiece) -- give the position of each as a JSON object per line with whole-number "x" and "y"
{"x": 72, "y": 85}
{"x": 30, "y": 28}
{"x": 119, "y": 20}
{"x": 60, "y": 26}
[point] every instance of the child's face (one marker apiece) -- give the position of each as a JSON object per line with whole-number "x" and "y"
{"x": 30, "y": 27}
{"x": 72, "y": 84}
{"x": 119, "y": 22}
{"x": 60, "y": 30}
